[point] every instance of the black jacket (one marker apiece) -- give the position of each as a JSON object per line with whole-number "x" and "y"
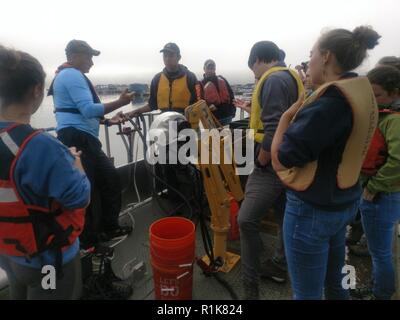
{"x": 182, "y": 71}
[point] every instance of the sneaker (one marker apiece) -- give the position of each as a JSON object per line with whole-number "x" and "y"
{"x": 116, "y": 234}
{"x": 273, "y": 271}
{"x": 251, "y": 290}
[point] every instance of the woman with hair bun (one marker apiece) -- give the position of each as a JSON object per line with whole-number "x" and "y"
{"x": 318, "y": 150}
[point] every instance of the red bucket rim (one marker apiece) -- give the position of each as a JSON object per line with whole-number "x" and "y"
{"x": 152, "y": 235}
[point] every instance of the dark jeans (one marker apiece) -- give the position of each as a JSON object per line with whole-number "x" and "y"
{"x": 379, "y": 220}
{"x": 26, "y": 282}
{"x": 315, "y": 249}
{"x": 104, "y": 180}
{"x": 263, "y": 191}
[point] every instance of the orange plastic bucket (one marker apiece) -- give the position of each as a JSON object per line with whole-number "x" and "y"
{"x": 172, "y": 250}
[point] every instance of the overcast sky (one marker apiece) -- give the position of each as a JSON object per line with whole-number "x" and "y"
{"x": 130, "y": 33}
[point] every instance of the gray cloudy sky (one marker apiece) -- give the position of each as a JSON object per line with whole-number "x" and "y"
{"x": 130, "y": 33}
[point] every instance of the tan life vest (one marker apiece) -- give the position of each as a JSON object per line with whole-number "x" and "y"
{"x": 255, "y": 115}
{"x": 358, "y": 92}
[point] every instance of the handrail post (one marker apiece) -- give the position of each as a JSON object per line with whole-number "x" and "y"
{"x": 107, "y": 134}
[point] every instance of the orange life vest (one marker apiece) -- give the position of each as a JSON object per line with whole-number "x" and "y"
{"x": 27, "y": 230}
{"x": 214, "y": 95}
{"x": 377, "y": 152}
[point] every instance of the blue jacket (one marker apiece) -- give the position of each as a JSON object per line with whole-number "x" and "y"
{"x": 71, "y": 90}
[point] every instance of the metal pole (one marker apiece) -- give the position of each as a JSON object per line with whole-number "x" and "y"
{"x": 241, "y": 114}
{"x": 107, "y": 141}
{"x": 130, "y": 150}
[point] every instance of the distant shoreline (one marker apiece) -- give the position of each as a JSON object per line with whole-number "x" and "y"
{"x": 142, "y": 90}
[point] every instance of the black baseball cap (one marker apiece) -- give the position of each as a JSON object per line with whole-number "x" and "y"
{"x": 80, "y": 46}
{"x": 171, "y": 47}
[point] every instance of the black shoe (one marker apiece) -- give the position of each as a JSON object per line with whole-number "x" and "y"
{"x": 251, "y": 290}
{"x": 116, "y": 234}
{"x": 273, "y": 271}
{"x": 122, "y": 289}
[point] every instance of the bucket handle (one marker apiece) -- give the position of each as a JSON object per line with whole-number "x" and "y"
{"x": 167, "y": 289}
{"x": 182, "y": 275}
{"x": 186, "y": 265}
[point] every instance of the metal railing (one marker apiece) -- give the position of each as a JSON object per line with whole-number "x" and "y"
{"x": 131, "y": 135}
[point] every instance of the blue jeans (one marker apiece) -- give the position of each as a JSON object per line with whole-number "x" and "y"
{"x": 315, "y": 249}
{"x": 379, "y": 219}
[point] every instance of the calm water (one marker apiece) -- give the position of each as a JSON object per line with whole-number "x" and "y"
{"x": 45, "y": 118}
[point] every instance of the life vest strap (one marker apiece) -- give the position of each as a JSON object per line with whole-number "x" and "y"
{"x": 19, "y": 220}
{"x": 67, "y": 110}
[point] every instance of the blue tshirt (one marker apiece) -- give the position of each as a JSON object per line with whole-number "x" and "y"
{"x": 46, "y": 170}
{"x": 71, "y": 90}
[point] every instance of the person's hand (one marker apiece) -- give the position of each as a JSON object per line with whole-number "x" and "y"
{"x": 75, "y": 153}
{"x": 117, "y": 119}
{"x": 242, "y": 104}
{"x": 264, "y": 157}
{"x": 131, "y": 114}
{"x": 126, "y": 97}
{"x": 290, "y": 113}
{"x": 299, "y": 67}
{"x": 368, "y": 196}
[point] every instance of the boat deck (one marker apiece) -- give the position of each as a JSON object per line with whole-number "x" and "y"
{"x": 136, "y": 249}
{"x": 204, "y": 288}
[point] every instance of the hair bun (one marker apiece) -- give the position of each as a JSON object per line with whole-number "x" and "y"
{"x": 366, "y": 37}
{"x": 9, "y": 59}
